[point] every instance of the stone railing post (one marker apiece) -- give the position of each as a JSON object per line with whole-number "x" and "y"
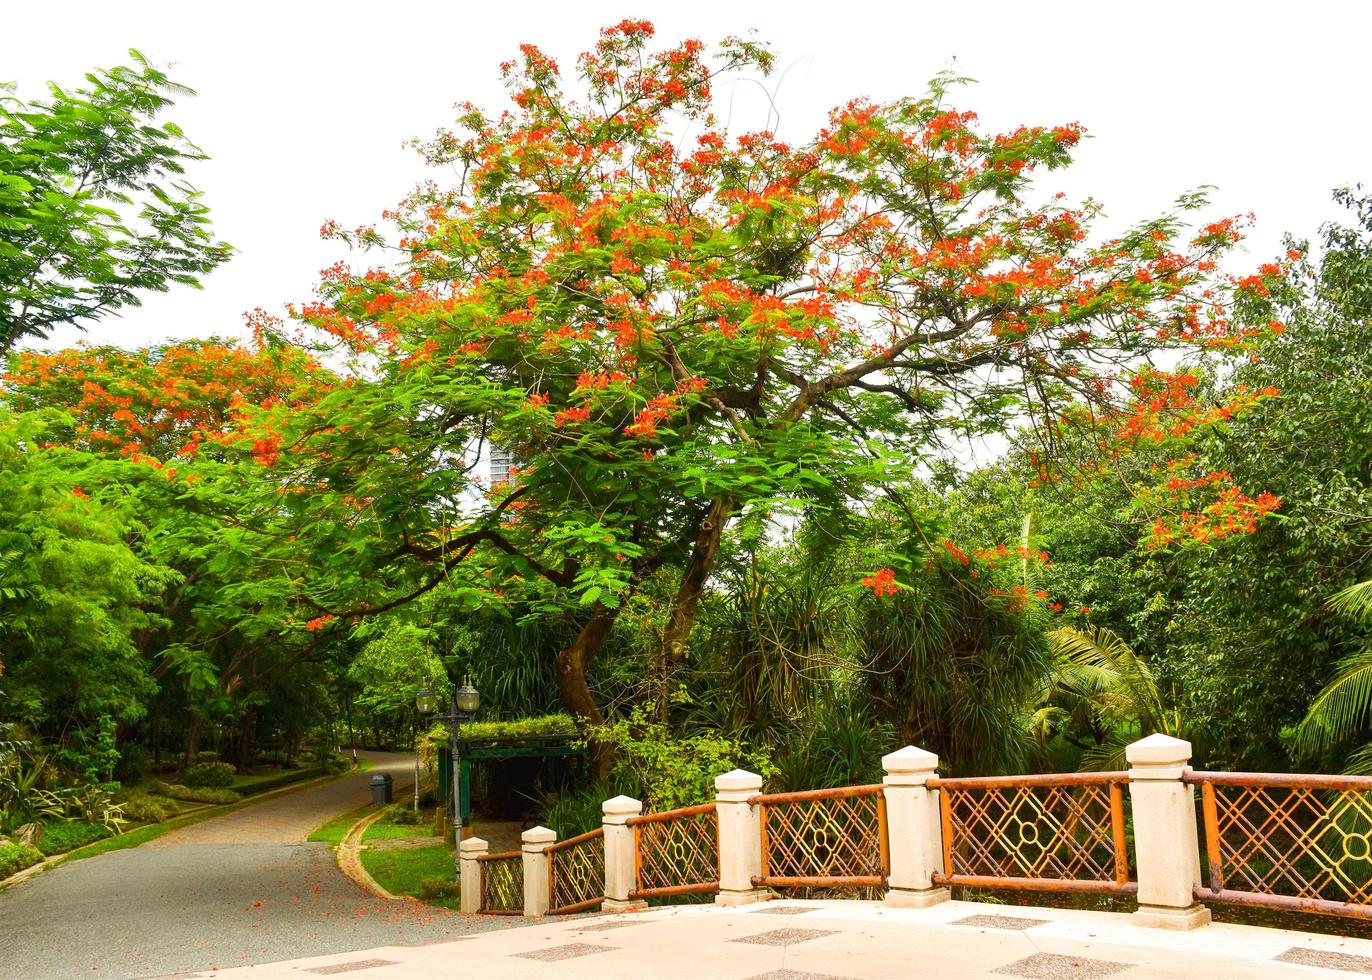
{"x": 470, "y": 869}
{"x": 534, "y": 843}
{"x": 740, "y": 842}
{"x": 914, "y": 828}
{"x": 620, "y": 859}
{"x": 1165, "y": 844}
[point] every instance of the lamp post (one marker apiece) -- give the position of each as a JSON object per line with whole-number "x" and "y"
{"x": 424, "y": 701}
{"x": 466, "y": 700}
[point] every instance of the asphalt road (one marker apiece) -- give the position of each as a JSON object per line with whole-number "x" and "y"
{"x": 239, "y": 889}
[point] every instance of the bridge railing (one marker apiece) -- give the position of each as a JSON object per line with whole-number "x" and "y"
{"x": 1160, "y": 832}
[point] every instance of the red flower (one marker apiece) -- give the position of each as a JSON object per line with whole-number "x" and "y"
{"x": 883, "y": 583}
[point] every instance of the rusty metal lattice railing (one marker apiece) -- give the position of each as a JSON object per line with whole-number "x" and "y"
{"x": 1288, "y": 841}
{"x": 1060, "y": 832}
{"x": 823, "y": 838}
{"x": 676, "y": 852}
{"x": 502, "y": 883}
{"x": 576, "y": 873}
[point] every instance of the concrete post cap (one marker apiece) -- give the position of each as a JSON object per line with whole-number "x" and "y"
{"x": 737, "y": 781}
{"x": 1158, "y": 750}
{"x": 910, "y": 759}
{"x": 474, "y": 845}
{"x": 538, "y": 835}
{"x": 620, "y": 805}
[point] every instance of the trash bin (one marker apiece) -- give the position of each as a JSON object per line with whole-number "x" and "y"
{"x": 381, "y": 788}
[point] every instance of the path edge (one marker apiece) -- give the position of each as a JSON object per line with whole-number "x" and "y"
{"x": 349, "y": 858}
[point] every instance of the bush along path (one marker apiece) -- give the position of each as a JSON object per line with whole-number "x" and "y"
{"x": 239, "y": 888}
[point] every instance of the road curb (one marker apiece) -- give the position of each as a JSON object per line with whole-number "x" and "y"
{"x": 349, "y": 858}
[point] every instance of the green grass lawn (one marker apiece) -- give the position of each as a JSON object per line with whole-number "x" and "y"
{"x": 401, "y": 871}
{"x": 389, "y": 828}
{"x": 333, "y": 831}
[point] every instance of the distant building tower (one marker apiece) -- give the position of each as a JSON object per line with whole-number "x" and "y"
{"x": 501, "y": 461}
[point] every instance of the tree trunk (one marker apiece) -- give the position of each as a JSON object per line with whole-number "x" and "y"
{"x": 192, "y": 738}
{"x": 683, "y": 615}
{"x": 246, "y": 741}
{"x": 571, "y": 667}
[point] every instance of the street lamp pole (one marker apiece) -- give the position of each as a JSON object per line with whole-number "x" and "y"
{"x": 466, "y": 700}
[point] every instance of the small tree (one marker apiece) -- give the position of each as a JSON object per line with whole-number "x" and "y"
{"x": 94, "y": 207}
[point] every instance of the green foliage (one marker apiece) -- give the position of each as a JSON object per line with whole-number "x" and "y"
{"x": 439, "y": 887}
{"x": 90, "y": 803}
{"x": 191, "y": 795}
{"x": 839, "y": 743}
{"x": 143, "y": 808}
{"x": 60, "y": 836}
{"x": 23, "y": 775}
{"x": 516, "y": 728}
{"x": 1101, "y": 690}
{"x": 95, "y": 208}
{"x": 574, "y": 811}
{"x": 666, "y": 770}
{"x": 16, "y": 857}
{"x": 208, "y": 774}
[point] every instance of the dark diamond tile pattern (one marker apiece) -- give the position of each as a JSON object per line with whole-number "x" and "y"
{"x": 796, "y": 975}
{"x": 1328, "y": 959}
{"x": 784, "y": 910}
{"x": 349, "y": 967}
{"x": 566, "y": 951}
{"x": 999, "y": 922}
{"x": 607, "y": 926}
{"x": 1051, "y": 966}
{"x": 784, "y": 937}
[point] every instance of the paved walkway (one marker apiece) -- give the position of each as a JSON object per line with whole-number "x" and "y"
{"x": 846, "y": 941}
{"x": 240, "y": 888}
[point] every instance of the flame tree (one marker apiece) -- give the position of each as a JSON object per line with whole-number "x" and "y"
{"x": 672, "y": 326}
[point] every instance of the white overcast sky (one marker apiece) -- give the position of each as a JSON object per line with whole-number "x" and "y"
{"x": 304, "y": 107}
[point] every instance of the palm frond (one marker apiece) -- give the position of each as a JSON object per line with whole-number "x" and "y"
{"x": 1354, "y": 601}
{"x": 1342, "y": 708}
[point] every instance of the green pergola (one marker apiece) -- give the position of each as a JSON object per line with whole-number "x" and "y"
{"x": 496, "y": 748}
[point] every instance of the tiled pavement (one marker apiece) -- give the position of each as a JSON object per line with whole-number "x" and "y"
{"x": 848, "y": 941}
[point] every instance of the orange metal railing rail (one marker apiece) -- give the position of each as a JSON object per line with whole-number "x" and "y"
{"x": 502, "y": 883}
{"x": 1061, "y": 832}
{"x": 1287, "y": 841}
{"x": 576, "y": 873}
{"x": 676, "y": 852}
{"x": 824, "y": 838}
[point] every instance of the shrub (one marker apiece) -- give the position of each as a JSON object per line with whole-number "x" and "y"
{"x": 17, "y": 857}
{"x": 148, "y": 809}
{"x": 404, "y": 813}
{"x": 336, "y": 762}
{"x": 209, "y": 774}
{"x": 277, "y": 758}
{"x": 207, "y": 757}
{"x": 260, "y": 784}
{"x": 60, "y": 836}
{"x": 436, "y": 887}
{"x": 91, "y": 803}
{"x": 573, "y": 812}
{"x": 667, "y": 770}
{"x": 178, "y": 792}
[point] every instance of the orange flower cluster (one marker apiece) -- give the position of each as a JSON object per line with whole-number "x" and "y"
{"x": 1233, "y": 513}
{"x": 882, "y": 583}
